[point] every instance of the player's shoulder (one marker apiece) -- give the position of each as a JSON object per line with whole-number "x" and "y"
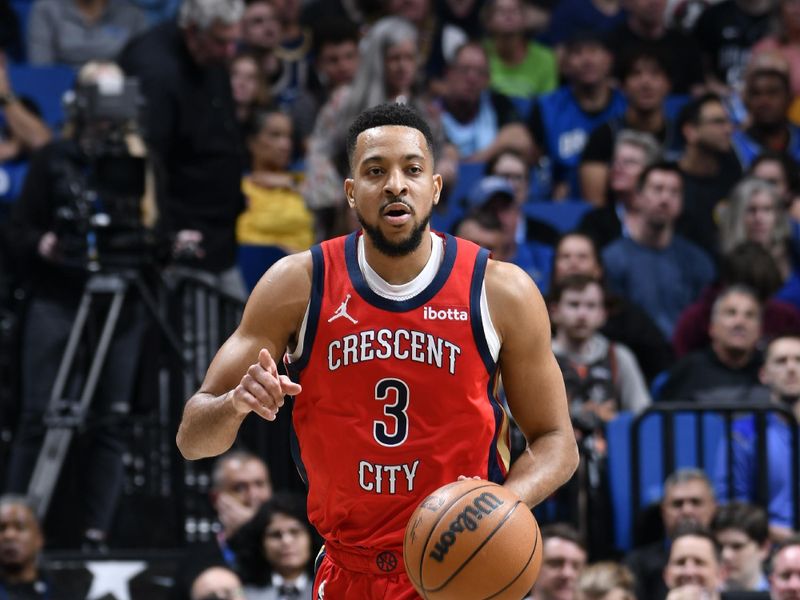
{"x": 288, "y": 279}
{"x": 508, "y": 280}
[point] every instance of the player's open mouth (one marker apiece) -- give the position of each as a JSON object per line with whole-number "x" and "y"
{"x": 397, "y": 213}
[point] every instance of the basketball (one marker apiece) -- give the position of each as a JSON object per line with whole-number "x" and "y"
{"x": 472, "y": 539}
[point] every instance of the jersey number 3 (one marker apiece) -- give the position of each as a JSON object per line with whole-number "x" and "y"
{"x": 392, "y": 431}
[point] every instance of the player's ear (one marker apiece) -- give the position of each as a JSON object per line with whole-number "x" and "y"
{"x": 348, "y": 192}
{"x": 437, "y": 188}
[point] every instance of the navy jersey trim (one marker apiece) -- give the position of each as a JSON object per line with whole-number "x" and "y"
{"x": 494, "y": 470}
{"x": 475, "y": 289}
{"x": 315, "y": 305}
{"x": 360, "y": 283}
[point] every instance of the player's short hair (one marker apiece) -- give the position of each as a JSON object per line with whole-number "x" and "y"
{"x": 389, "y": 113}
{"x": 741, "y": 516}
{"x": 204, "y": 13}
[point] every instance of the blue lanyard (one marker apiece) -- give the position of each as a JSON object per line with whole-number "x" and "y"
{"x": 228, "y": 555}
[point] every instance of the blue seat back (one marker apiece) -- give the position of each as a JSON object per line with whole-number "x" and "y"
{"x": 45, "y": 86}
{"x": 697, "y": 438}
{"x": 12, "y": 177}
{"x": 254, "y": 260}
{"x": 564, "y": 216}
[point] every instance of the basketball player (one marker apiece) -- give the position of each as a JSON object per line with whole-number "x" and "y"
{"x": 395, "y": 338}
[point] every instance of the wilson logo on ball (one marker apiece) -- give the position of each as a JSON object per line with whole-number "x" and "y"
{"x": 467, "y": 520}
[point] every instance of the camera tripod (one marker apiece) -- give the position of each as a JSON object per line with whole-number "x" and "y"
{"x": 64, "y": 416}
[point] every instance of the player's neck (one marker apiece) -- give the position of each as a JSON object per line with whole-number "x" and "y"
{"x": 397, "y": 270}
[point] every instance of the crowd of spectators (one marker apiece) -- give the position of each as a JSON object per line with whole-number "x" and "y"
{"x": 671, "y": 129}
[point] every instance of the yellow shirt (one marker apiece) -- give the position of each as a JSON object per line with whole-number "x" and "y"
{"x": 275, "y": 217}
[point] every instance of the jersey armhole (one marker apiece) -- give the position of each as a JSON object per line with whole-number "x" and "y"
{"x": 298, "y": 357}
{"x": 489, "y": 332}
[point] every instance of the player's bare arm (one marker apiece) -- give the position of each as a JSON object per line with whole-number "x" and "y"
{"x": 243, "y": 377}
{"x": 533, "y": 384}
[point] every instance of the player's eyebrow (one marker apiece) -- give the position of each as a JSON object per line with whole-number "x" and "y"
{"x": 373, "y": 158}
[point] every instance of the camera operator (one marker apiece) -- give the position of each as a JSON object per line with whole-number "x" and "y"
{"x": 88, "y": 204}
{"x": 191, "y": 127}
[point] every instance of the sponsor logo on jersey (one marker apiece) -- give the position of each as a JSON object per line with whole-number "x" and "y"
{"x": 435, "y": 313}
{"x": 342, "y": 312}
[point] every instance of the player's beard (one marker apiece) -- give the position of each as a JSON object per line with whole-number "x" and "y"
{"x": 394, "y": 249}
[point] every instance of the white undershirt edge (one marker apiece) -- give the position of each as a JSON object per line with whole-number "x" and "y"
{"x": 408, "y": 290}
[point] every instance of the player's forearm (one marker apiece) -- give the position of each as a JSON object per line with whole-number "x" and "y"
{"x": 547, "y": 464}
{"x": 208, "y": 427}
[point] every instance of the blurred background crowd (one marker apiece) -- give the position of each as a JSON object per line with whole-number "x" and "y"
{"x": 637, "y": 158}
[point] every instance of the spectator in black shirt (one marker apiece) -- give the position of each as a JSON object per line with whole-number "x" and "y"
{"x": 645, "y": 29}
{"x": 726, "y": 31}
{"x": 646, "y": 83}
{"x": 49, "y": 235}
{"x": 191, "y": 127}
{"x": 727, "y": 370}
{"x": 709, "y": 168}
{"x": 21, "y": 541}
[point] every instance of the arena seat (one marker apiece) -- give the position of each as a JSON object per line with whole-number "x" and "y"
{"x": 45, "y": 86}
{"x": 564, "y": 216}
{"x": 469, "y": 174}
{"x": 12, "y": 176}
{"x": 696, "y": 438}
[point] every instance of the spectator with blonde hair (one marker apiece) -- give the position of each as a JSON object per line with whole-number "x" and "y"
{"x": 606, "y": 580}
{"x": 387, "y": 73}
{"x": 757, "y": 213}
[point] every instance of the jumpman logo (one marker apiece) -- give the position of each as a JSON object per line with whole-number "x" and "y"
{"x": 342, "y": 312}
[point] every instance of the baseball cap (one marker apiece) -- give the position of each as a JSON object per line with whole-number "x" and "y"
{"x": 487, "y": 188}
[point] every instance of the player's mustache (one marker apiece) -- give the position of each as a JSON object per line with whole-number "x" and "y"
{"x": 397, "y": 200}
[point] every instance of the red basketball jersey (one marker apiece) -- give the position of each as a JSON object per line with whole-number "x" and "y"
{"x": 398, "y": 396}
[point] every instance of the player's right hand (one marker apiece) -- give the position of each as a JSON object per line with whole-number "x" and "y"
{"x": 261, "y": 390}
